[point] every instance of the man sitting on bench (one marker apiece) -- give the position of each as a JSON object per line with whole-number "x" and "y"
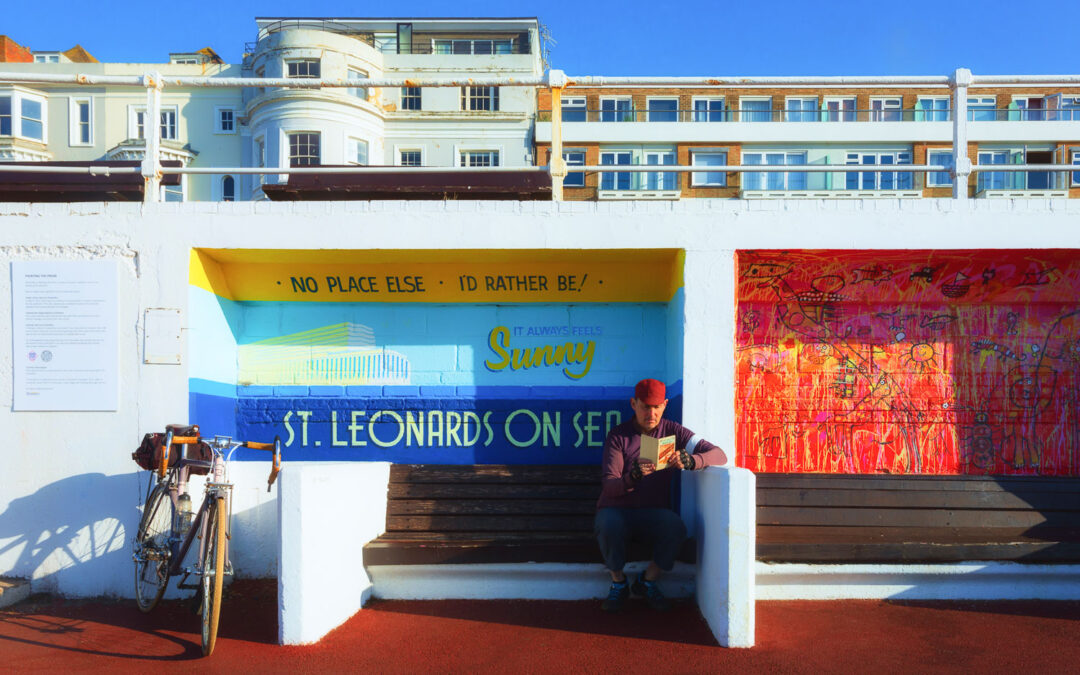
{"x": 635, "y": 501}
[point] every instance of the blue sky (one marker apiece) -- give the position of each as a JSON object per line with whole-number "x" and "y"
{"x": 598, "y": 37}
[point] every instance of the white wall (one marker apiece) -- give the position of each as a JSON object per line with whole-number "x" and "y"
{"x": 68, "y": 488}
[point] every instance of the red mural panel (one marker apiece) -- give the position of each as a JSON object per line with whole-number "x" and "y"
{"x": 933, "y": 362}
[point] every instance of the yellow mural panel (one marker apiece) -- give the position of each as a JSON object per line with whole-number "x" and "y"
{"x": 468, "y": 276}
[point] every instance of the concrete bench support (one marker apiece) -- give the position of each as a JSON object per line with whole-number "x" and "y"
{"x": 328, "y": 511}
{"x": 726, "y": 543}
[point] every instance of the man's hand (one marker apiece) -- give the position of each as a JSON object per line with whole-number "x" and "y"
{"x": 685, "y": 460}
{"x": 641, "y": 469}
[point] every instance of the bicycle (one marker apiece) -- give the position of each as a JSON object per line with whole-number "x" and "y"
{"x": 168, "y": 527}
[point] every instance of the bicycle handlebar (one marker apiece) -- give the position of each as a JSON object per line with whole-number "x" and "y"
{"x": 275, "y": 448}
{"x": 221, "y": 443}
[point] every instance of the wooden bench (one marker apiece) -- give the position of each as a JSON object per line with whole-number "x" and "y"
{"x": 825, "y": 518}
{"x": 438, "y": 514}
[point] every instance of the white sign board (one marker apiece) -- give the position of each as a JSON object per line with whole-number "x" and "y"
{"x": 64, "y": 331}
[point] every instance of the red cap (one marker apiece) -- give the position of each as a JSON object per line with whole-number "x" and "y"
{"x": 650, "y": 392}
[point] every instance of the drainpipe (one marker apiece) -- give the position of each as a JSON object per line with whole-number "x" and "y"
{"x": 556, "y": 163}
{"x": 961, "y": 80}
{"x": 151, "y": 168}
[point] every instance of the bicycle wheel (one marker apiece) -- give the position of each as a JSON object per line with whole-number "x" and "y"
{"x": 213, "y": 573}
{"x": 152, "y": 548}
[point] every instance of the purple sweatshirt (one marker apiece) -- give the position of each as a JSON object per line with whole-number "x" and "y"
{"x": 622, "y": 447}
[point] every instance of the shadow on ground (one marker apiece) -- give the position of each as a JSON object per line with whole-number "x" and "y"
{"x": 168, "y": 633}
{"x": 683, "y": 624}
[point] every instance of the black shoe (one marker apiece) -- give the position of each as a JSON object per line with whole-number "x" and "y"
{"x": 616, "y": 598}
{"x": 652, "y": 594}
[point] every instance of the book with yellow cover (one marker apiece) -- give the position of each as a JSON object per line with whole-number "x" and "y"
{"x": 659, "y": 451}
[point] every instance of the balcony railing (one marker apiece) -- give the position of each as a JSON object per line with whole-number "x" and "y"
{"x": 977, "y": 114}
{"x": 1029, "y": 181}
{"x": 749, "y": 115}
{"x": 455, "y": 46}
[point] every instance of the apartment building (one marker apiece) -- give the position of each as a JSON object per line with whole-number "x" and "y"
{"x": 871, "y": 125}
{"x": 280, "y": 127}
{"x": 405, "y": 126}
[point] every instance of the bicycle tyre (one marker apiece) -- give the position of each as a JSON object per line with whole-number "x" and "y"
{"x": 213, "y": 573}
{"x": 155, "y": 527}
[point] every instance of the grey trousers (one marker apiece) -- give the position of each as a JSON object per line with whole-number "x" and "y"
{"x": 662, "y": 528}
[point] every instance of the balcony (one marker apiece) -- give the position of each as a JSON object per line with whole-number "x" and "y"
{"x": 833, "y": 185}
{"x": 1025, "y": 184}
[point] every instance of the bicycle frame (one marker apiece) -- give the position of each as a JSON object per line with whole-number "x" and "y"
{"x": 215, "y": 487}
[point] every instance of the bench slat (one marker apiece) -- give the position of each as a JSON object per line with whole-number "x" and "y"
{"x": 948, "y": 499}
{"x": 784, "y": 515}
{"x": 503, "y": 507}
{"x": 810, "y": 534}
{"x": 494, "y": 473}
{"x": 463, "y": 490}
{"x": 916, "y": 483}
{"x": 919, "y": 552}
{"x": 488, "y": 523}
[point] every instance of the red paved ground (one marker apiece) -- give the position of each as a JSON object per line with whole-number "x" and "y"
{"x": 556, "y": 637}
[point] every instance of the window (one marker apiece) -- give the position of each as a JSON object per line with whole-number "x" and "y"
{"x": 404, "y": 38}
{"x": 32, "y": 121}
{"x": 879, "y": 180}
{"x": 226, "y": 120}
{"x": 479, "y": 158}
{"x": 755, "y": 109}
{"x": 1070, "y": 108}
{"x": 621, "y": 180}
{"x": 228, "y": 189}
{"x": 574, "y": 110}
{"x": 708, "y": 109}
{"x": 574, "y": 158}
{"x": 480, "y": 98}
{"x": 939, "y": 178}
{"x": 358, "y": 151}
{"x": 1075, "y": 175}
{"x": 173, "y": 193}
{"x": 839, "y": 109}
{"x": 303, "y": 68}
{"x": 81, "y": 127}
{"x": 661, "y": 180}
{"x": 617, "y": 109}
{"x": 410, "y": 158}
{"x": 168, "y": 124}
{"x": 708, "y": 158}
{"x": 358, "y": 92}
{"x": 5, "y": 116}
{"x": 934, "y": 109}
{"x": 489, "y": 46}
{"x": 802, "y": 109}
{"x": 46, "y": 58}
{"x": 304, "y": 149}
{"x": 24, "y": 115}
{"x": 410, "y": 98}
{"x": 774, "y": 180}
{"x": 992, "y": 180}
{"x": 981, "y": 108}
{"x": 886, "y": 109}
{"x": 663, "y": 109}
{"x": 259, "y": 159}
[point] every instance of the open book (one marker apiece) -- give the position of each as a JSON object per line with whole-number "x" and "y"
{"x": 659, "y": 451}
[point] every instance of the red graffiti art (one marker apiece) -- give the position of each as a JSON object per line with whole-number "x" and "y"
{"x": 909, "y": 362}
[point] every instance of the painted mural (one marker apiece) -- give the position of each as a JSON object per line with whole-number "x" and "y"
{"x": 329, "y": 352}
{"x": 909, "y": 362}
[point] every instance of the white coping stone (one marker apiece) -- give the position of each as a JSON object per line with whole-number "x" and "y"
{"x": 513, "y": 581}
{"x": 955, "y": 581}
